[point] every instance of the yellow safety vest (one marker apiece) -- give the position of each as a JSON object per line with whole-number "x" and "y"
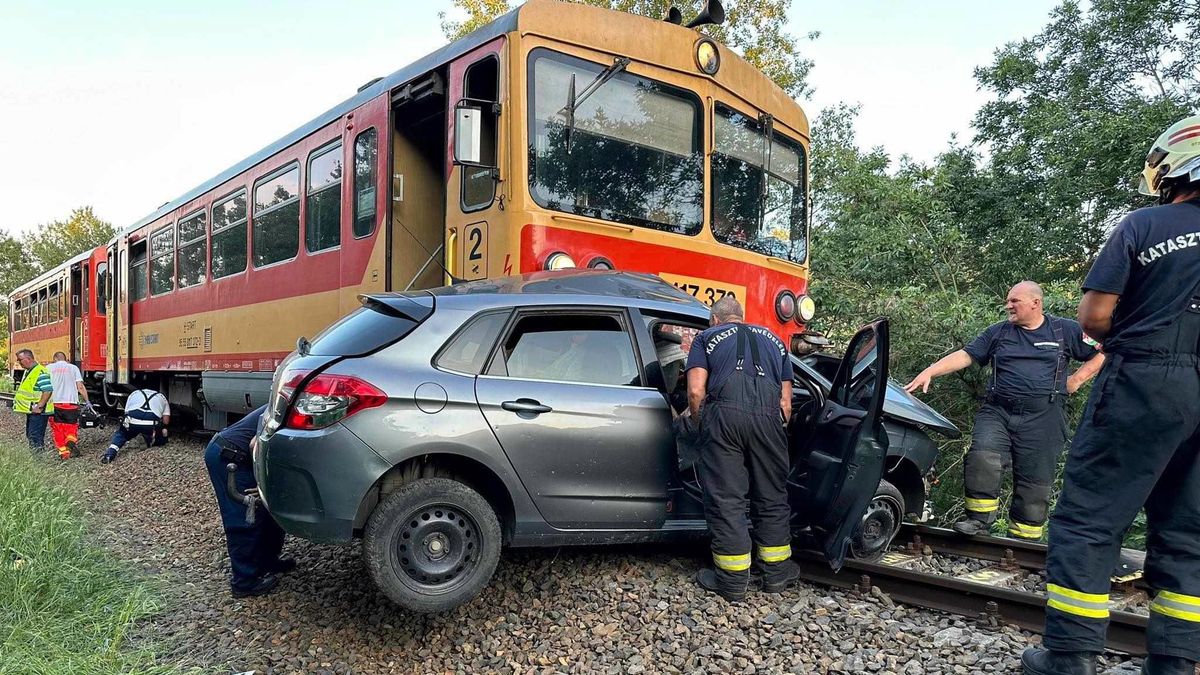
{"x": 27, "y": 395}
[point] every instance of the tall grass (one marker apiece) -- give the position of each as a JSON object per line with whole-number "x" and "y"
{"x": 66, "y": 605}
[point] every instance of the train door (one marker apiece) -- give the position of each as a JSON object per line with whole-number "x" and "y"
{"x": 363, "y": 254}
{"x": 119, "y": 347}
{"x": 78, "y": 311}
{"x": 418, "y": 185}
{"x": 96, "y": 331}
{"x": 473, "y": 179}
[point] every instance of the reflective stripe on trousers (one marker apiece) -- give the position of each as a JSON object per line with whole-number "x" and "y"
{"x": 732, "y": 563}
{"x": 1090, "y": 605}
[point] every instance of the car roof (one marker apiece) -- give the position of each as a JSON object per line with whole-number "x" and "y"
{"x": 573, "y": 287}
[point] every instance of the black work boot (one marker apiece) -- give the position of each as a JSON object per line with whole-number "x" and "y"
{"x": 261, "y": 586}
{"x": 1038, "y": 661}
{"x": 774, "y": 577}
{"x": 972, "y": 526}
{"x": 733, "y": 590}
{"x": 1168, "y": 665}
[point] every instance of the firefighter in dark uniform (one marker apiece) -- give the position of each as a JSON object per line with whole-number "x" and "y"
{"x": 1139, "y": 441}
{"x": 254, "y": 542}
{"x": 1022, "y": 416}
{"x": 739, "y": 380}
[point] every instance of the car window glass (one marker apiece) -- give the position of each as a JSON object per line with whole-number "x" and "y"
{"x": 467, "y": 351}
{"x": 671, "y": 344}
{"x": 594, "y": 349}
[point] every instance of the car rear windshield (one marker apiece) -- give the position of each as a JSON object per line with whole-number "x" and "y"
{"x": 373, "y": 326}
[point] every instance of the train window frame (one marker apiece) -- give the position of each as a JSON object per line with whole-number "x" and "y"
{"x": 180, "y": 244}
{"x": 330, "y": 147}
{"x": 255, "y": 213}
{"x": 141, "y": 260}
{"x": 43, "y": 307}
{"x": 101, "y": 285}
{"x": 152, "y": 257}
{"x": 53, "y": 302}
{"x": 491, "y": 120}
{"x": 15, "y": 315}
{"x": 214, "y": 231}
{"x": 354, "y": 189}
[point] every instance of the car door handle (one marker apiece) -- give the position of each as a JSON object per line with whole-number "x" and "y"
{"x": 525, "y": 406}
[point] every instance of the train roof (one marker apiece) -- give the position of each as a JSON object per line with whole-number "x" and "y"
{"x": 501, "y": 25}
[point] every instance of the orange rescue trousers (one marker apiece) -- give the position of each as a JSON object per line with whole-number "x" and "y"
{"x": 66, "y": 434}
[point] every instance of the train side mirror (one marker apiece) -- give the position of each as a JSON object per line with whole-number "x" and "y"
{"x": 468, "y": 140}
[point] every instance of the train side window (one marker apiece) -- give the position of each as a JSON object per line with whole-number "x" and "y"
{"x": 52, "y": 303}
{"x": 323, "y": 210}
{"x": 43, "y": 308}
{"x": 481, "y": 82}
{"x": 18, "y": 308}
{"x": 366, "y": 161}
{"x": 137, "y": 272}
{"x": 275, "y": 232}
{"x": 102, "y": 288}
{"x": 191, "y": 263}
{"x": 229, "y": 236}
{"x": 162, "y": 261}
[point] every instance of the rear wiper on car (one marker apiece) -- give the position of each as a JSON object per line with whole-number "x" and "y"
{"x": 574, "y": 101}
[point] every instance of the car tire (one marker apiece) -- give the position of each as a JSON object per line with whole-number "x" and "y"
{"x": 432, "y": 545}
{"x": 879, "y": 525}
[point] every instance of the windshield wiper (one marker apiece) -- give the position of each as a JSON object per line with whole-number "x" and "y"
{"x": 767, "y": 122}
{"x": 574, "y": 101}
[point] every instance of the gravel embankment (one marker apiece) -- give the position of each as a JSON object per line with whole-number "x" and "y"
{"x": 618, "y": 610}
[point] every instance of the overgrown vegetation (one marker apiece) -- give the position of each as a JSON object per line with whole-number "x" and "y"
{"x": 68, "y": 606}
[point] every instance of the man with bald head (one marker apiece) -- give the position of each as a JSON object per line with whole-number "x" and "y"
{"x": 1021, "y": 421}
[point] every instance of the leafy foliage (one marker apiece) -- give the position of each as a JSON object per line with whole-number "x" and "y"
{"x": 755, "y": 28}
{"x": 58, "y": 241}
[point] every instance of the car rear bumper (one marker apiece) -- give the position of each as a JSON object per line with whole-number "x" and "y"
{"x": 313, "y": 482}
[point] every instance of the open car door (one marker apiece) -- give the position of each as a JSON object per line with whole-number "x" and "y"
{"x": 849, "y": 444}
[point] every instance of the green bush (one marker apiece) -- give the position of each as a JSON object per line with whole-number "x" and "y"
{"x": 68, "y": 606}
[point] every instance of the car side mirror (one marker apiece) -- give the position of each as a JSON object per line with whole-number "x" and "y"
{"x": 468, "y": 140}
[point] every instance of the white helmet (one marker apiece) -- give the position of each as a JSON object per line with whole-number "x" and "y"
{"x": 1175, "y": 153}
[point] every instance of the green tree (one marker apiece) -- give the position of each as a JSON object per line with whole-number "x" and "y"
{"x": 755, "y": 28}
{"x": 60, "y": 240}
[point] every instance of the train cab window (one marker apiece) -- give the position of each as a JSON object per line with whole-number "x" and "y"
{"x": 137, "y": 272}
{"x": 229, "y": 236}
{"x": 191, "y": 263}
{"x": 481, "y": 82}
{"x": 366, "y": 161}
{"x": 162, "y": 261}
{"x": 323, "y": 210}
{"x": 102, "y": 288}
{"x": 276, "y": 229}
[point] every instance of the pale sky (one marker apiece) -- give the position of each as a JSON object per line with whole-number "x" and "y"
{"x": 127, "y": 104}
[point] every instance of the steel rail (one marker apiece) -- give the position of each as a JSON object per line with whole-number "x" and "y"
{"x": 1126, "y": 631}
{"x": 1026, "y": 554}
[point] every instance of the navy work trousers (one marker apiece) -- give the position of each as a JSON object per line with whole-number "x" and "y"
{"x": 1138, "y": 444}
{"x": 253, "y": 549}
{"x": 35, "y": 430}
{"x": 1028, "y": 435}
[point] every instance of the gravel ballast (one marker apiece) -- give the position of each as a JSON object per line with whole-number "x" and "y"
{"x": 630, "y": 609}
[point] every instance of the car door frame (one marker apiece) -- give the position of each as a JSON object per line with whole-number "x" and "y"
{"x": 837, "y": 488}
{"x": 627, "y": 321}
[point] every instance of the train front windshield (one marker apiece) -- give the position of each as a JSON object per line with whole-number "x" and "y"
{"x": 758, "y": 188}
{"x": 631, "y": 151}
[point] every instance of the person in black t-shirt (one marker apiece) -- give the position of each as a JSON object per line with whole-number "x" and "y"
{"x": 1021, "y": 420}
{"x": 1138, "y": 444}
{"x": 739, "y": 380}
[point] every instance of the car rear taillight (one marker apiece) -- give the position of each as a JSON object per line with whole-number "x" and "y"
{"x": 328, "y": 399}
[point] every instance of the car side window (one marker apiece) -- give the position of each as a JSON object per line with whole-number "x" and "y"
{"x": 468, "y": 350}
{"x": 588, "y": 348}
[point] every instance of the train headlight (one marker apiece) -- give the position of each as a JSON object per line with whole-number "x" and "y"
{"x": 785, "y": 306}
{"x": 559, "y": 261}
{"x": 600, "y": 263}
{"x": 708, "y": 59}
{"x": 806, "y": 309}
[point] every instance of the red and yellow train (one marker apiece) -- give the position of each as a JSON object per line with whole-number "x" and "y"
{"x": 558, "y": 135}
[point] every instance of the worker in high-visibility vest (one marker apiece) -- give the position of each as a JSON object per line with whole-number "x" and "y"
{"x": 32, "y": 399}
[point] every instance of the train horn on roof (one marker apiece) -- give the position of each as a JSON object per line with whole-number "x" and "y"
{"x": 674, "y": 16}
{"x": 713, "y": 13}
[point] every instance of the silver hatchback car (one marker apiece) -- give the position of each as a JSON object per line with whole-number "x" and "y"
{"x": 539, "y": 410}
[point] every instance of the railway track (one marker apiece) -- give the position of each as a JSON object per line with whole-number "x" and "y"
{"x": 981, "y": 594}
